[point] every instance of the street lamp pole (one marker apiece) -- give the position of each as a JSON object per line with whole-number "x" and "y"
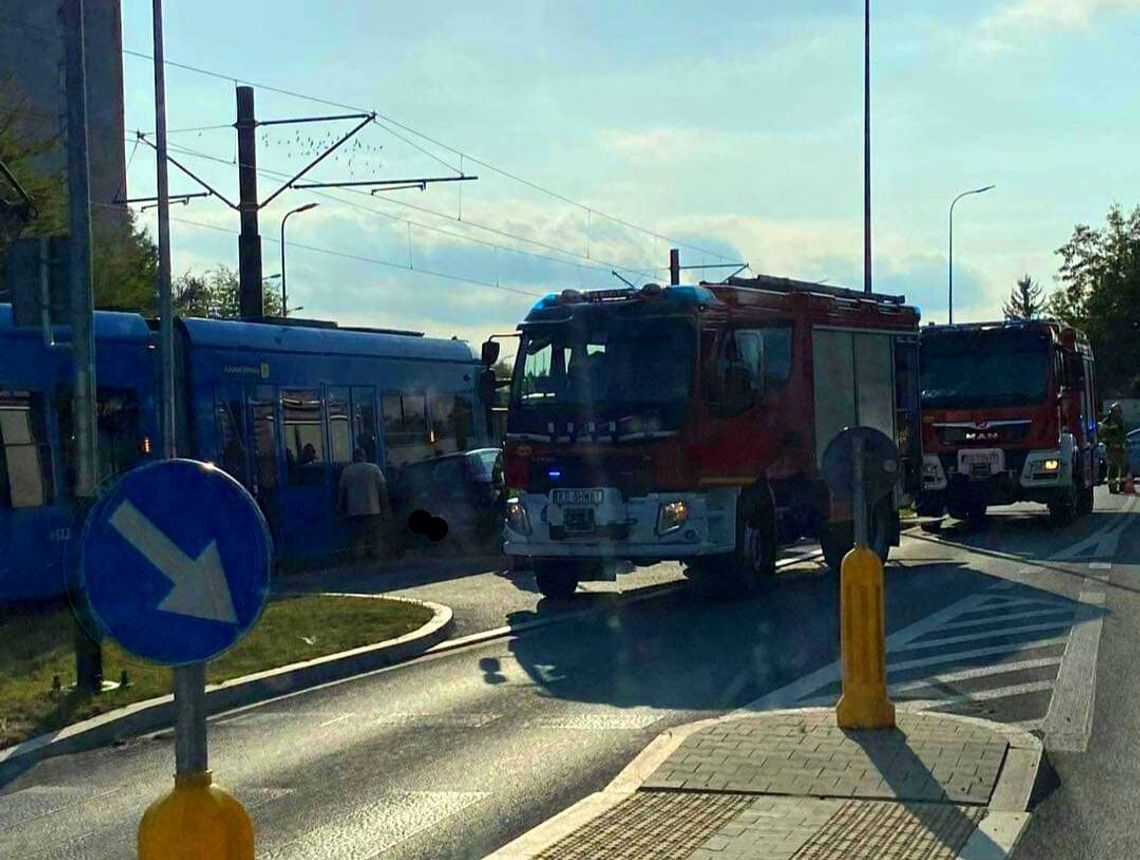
{"x": 950, "y": 271}
{"x": 867, "y": 146}
{"x": 284, "y": 294}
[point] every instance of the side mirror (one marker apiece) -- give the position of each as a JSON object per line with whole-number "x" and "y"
{"x": 490, "y": 352}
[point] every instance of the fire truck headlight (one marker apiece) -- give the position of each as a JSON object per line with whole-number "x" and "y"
{"x": 1051, "y": 465}
{"x": 671, "y": 516}
{"x": 517, "y": 519}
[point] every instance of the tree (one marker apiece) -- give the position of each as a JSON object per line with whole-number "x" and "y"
{"x": 1099, "y": 292}
{"x": 215, "y": 294}
{"x": 124, "y": 263}
{"x": 1025, "y": 302}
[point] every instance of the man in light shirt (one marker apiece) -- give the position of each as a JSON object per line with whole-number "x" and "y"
{"x": 362, "y": 498}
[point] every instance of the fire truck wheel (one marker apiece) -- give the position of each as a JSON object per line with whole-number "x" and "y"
{"x": 556, "y": 581}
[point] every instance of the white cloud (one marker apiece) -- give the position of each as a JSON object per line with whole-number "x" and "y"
{"x": 1012, "y": 21}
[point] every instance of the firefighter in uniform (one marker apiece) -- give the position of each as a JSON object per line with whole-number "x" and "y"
{"x": 1114, "y": 435}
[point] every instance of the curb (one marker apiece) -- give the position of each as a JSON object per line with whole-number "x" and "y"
{"x": 158, "y": 713}
{"x": 995, "y": 838}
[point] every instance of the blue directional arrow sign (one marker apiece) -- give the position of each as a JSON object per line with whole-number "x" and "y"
{"x": 176, "y": 559}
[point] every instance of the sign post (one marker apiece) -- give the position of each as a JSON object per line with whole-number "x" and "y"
{"x": 176, "y": 560}
{"x": 871, "y": 461}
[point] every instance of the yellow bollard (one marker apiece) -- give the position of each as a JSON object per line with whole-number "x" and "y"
{"x": 862, "y": 620}
{"x": 197, "y": 820}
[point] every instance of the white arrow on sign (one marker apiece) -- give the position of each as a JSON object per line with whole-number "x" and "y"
{"x": 200, "y": 587}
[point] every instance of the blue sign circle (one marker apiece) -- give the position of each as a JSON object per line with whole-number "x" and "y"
{"x": 175, "y": 561}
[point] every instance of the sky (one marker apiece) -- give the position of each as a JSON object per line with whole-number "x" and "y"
{"x": 603, "y": 134}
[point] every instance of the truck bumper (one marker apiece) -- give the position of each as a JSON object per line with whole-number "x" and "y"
{"x": 622, "y": 528}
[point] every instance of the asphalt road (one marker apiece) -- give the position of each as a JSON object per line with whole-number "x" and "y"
{"x": 455, "y": 754}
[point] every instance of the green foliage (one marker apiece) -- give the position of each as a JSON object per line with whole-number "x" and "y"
{"x": 124, "y": 271}
{"x": 1025, "y": 302}
{"x": 20, "y": 149}
{"x": 124, "y": 263}
{"x": 214, "y": 294}
{"x": 1099, "y": 292}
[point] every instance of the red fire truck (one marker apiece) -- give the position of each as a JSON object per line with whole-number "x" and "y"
{"x": 688, "y": 423}
{"x": 1009, "y": 413}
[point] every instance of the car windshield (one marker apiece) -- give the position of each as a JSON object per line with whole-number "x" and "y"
{"x": 609, "y": 362}
{"x": 964, "y": 370}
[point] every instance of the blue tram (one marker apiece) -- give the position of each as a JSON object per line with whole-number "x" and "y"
{"x": 279, "y": 405}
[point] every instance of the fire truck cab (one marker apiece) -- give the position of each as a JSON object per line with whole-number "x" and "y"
{"x": 688, "y": 423}
{"x": 1009, "y": 414}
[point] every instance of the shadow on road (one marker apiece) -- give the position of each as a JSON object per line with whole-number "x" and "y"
{"x": 687, "y": 653}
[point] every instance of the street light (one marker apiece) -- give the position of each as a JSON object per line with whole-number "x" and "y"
{"x": 284, "y": 294}
{"x": 951, "y": 266}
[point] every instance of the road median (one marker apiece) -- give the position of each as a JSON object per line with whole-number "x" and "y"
{"x": 785, "y": 784}
{"x": 300, "y": 642}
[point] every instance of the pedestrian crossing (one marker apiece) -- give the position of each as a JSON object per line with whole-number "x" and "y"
{"x": 994, "y": 654}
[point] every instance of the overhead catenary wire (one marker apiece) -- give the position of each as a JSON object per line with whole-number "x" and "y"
{"x": 594, "y": 263}
{"x": 434, "y": 141}
{"x": 360, "y": 258}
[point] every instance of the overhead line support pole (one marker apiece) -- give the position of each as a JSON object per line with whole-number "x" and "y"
{"x": 88, "y": 652}
{"x": 251, "y": 299}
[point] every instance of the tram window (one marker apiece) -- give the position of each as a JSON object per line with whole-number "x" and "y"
{"x": 121, "y": 444}
{"x": 304, "y": 439}
{"x": 364, "y": 417}
{"x": 451, "y": 418}
{"x": 340, "y": 433}
{"x": 231, "y": 436}
{"x": 264, "y": 418}
{"x": 415, "y": 414}
{"x": 120, "y": 439}
{"x": 25, "y": 458}
{"x": 443, "y": 436}
{"x": 405, "y": 428}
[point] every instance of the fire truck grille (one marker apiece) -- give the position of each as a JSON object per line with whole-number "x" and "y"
{"x": 984, "y": 436}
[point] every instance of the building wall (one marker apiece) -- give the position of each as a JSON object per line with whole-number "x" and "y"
{"x": 32, "y": 82}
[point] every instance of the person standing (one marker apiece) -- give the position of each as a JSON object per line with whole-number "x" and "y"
{"x": 362, "y": 497}
{"x": 1115, "y": 437}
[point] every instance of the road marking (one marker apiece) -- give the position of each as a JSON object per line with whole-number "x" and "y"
{"x": 978, "y": 672}
{"x": 1068, "y": 724}
{"x": 961, "y": 656}
{"x": 1069, "y": 721}
{"x": 463, "y": 721}
{"x": 984, "y": 634}
{"x": 1013, "y": 616}
{"x": 985, "y": 695}
{"x": 610, "y": 719}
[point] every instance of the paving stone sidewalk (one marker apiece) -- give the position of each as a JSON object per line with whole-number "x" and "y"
{"x": 792, "y": 785}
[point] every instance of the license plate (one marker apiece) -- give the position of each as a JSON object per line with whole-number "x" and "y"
{"x": 577, "y": 497}
{"x": 578, "y": 519}
{"x": 981, "y": 463}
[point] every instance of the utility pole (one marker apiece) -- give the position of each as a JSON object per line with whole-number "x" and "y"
{"x": 88, "y": 653}
{"x": 165, "y": 301}
{"x": 251, "y": 302}
{"x": 250, "y": 281}
{"x": 867, "y": 146}
{"x": 674, "y": 267}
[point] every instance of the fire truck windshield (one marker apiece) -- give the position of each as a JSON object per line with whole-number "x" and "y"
{"x": 973, "y": 369}
{"x": 605, "y": 364}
